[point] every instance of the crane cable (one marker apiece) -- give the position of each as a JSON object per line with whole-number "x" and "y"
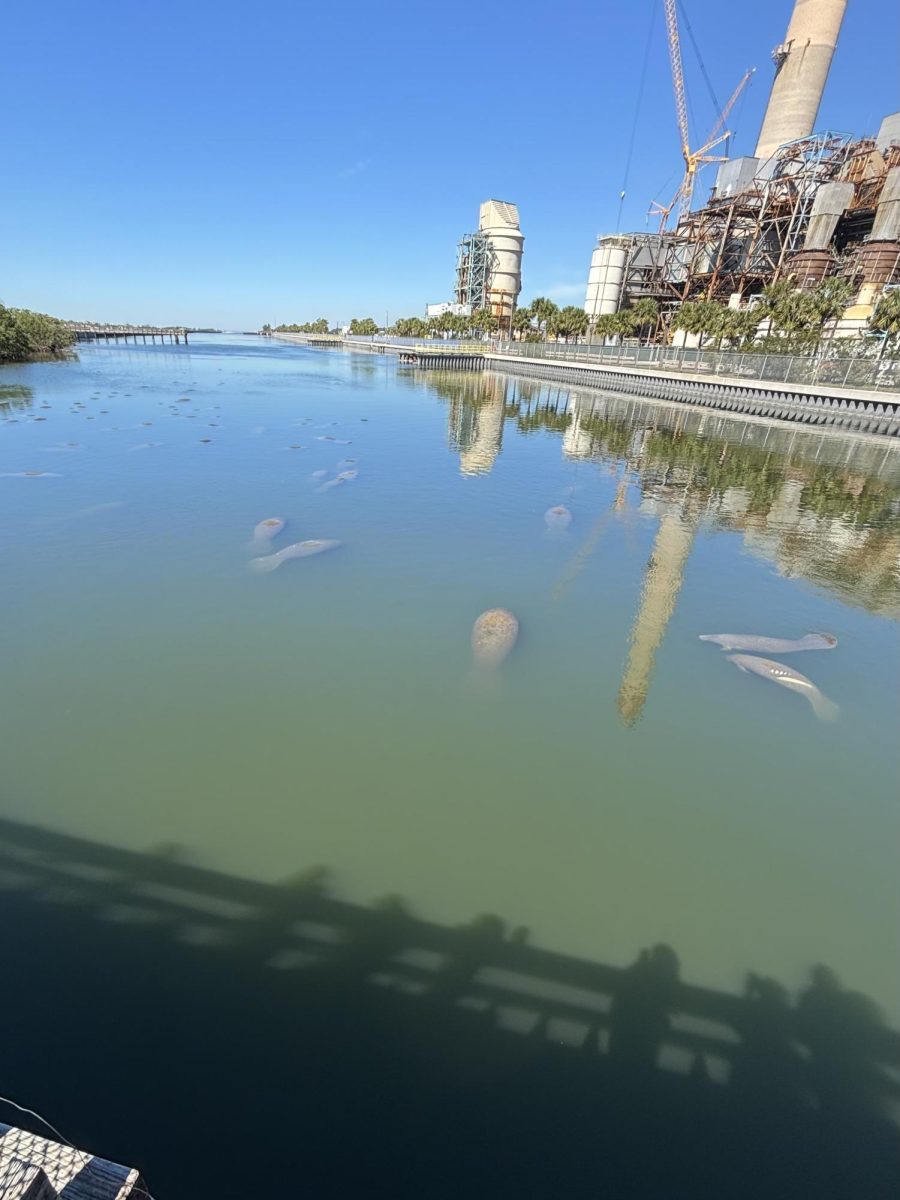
{"x": 706, "y": 79}
{"x": 634, "y": 124}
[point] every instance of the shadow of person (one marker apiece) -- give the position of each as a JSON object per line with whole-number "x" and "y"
{"x": 841, "y": 1029}
{"x": 767, "y": 1068}
{"x": 641, "y": 1007}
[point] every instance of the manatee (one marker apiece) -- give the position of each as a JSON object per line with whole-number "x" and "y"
{"x": 493, "y": 636}
{"x": 747, "y": 641}
{"x": 272, "y": 562}
{"x": 30, "y": 475}
{"x": 317, "y": 475}
{"x": 344, "y": 477}
{"x": 265, "y": 531}
{"x": 558, "y": 517}
{"x": 768, "y": 668}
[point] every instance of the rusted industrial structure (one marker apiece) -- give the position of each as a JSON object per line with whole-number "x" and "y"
{"x": 807, "y": 206}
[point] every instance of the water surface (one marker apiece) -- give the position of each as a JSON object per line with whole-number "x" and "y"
{"x": 617, "y": 784}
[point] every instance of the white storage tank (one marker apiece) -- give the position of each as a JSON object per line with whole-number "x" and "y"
{"x": 499, "y": 221}
{"x": 607, "y": 277}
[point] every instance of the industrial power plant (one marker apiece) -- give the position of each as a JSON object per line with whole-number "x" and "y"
{"x": 488, "y": 265}
{"x": 806, "y": 206}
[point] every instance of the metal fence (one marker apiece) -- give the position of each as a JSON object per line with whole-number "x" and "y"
{"x": 821, "y": 371}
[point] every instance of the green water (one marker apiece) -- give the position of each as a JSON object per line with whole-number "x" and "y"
{"x": 157, "y": 691}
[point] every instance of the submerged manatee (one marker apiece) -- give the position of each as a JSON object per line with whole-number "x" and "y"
{"x": 747, "y": 641}
{"x": 265, "y": 531}
{"x": 493, "y": 636}
{"x": 344, "y": 477}
{"x": 271, "y": 562}
{"x": 768, "y": 668}
{"x": 558, "y": 517}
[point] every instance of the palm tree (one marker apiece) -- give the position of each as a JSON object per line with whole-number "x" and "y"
{"x": 484, "y": 320}
{"x": 886, "y": 319}
{"x": 543, "y": 310}
{"x": 568, "y": 322}
{"x": 828, "y": 301}
{"x": 644, "y": 313}
{"x": 522, "y": 319}
{"x": 738, "y": 325}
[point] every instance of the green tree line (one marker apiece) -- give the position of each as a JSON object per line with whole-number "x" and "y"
{"x": 25, "y": 334}
{"x": 794, "y": 320}
{"x": 320, "y": 326}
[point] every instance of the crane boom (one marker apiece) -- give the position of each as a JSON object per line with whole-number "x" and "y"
{"x": 723, "y": 115}
{"x": 677, "y": 77}
{"x": 693, "y": 159}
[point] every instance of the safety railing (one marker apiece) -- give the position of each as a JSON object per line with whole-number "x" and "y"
{"x": 821, "y": 370}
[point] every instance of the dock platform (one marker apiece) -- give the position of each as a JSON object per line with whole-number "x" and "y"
{"x": 32, "y": 1168}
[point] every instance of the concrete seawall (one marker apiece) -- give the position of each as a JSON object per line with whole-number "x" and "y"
{"x": 852, "y": 410}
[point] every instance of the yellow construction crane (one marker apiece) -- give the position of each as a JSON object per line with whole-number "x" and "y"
{"x": 693, "y": 159}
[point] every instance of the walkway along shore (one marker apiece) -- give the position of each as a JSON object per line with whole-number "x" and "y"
{"x": 851, "y": 410}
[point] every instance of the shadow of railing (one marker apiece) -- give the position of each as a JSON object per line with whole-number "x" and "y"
{"x": 167, "y": 1014}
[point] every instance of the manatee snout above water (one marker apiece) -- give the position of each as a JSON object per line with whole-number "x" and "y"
{"x": 558, "y": 517}
{"x": 265, "y": 531}
{"x": 767, "y": 645}
{"x": 271, "y": 562}
{"x": 494, "y": 634}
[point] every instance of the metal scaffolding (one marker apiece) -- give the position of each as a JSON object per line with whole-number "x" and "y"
{"x": 475, "y": 260}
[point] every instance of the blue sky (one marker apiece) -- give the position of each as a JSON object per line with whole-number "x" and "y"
{"x": 231, "y": 164}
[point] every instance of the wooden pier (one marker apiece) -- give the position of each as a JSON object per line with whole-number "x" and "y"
{"x": 32, "y": 1168}
{"x": 86, "y": 332}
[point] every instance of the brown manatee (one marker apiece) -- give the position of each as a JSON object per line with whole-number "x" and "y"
{"x": 558, "y": 517}
{"x": 493, "y": 636}
{"x": 265, "y": 531}
{"x": 271, "y": 562}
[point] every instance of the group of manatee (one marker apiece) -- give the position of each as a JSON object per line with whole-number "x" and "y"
{"x": 496, "y": 631}
{"x": 269, "y": 529}
{"x": 769, "y": 668}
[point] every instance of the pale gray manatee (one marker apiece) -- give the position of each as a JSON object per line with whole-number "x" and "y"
{"x": 768, "y": 668}
{"x": 271, "y": 562}
{"x": 344, "y": 477}
{"x": 558, "y": 517}
{"x": 493, "y": 636}
{"x": 265, "y": 531}
{"x": 747, "y": 641}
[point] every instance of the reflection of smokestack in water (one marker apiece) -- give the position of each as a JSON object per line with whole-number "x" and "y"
{"x": 477, "y": 457}
{"x": 801, "y": 69}
{"x": 662, "y": 583}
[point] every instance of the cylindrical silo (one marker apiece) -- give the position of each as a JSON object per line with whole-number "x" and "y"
{"x": 802, "y": 64}
{"x": 606, "y": 277}
{"x": 499, "y": 221}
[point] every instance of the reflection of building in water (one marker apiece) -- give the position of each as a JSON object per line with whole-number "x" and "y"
{"x": 823, "y": 508}
{"x": 475, "y": 418}
{"x": 662, "y": 583}
{"x": 577, "y": 442}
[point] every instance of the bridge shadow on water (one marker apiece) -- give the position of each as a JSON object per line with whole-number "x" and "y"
{"x": 238, "y": 1039}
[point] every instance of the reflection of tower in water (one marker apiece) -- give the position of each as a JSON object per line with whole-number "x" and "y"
{"x": 662, "y": 583}
{"x": 476, "y": 423}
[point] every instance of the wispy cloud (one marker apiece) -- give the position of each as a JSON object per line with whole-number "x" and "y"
{"x": 357, "y": 168}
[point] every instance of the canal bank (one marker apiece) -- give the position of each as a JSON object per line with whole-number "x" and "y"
{"x": 854, "y": 410}
{"x": 731, "y": 383}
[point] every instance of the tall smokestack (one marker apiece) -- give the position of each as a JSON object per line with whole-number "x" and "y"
{"x": 801, "y": 68}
